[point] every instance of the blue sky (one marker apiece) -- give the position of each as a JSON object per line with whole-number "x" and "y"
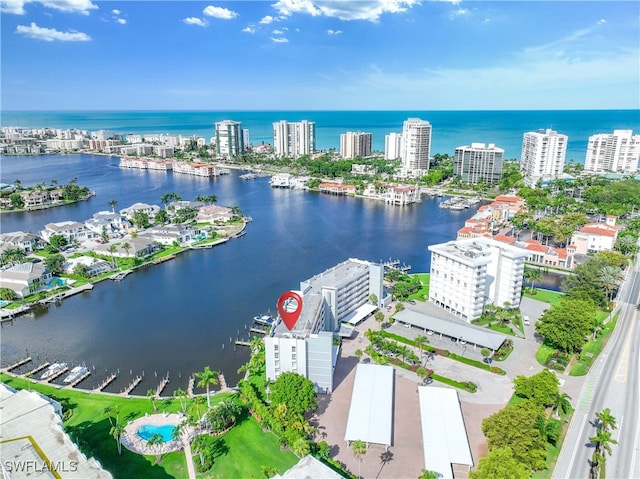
{"x": 319, "y": 55}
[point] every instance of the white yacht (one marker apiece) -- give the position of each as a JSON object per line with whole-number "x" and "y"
{"x": 55, "y": 368}
{"x": 76, "y": 373}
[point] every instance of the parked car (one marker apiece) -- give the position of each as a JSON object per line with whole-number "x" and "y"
{"x": 429, "y": 333}
{"x": 411, "y": 301}
{"x": 487, "y": 360}
{"x": 526, "y": 320}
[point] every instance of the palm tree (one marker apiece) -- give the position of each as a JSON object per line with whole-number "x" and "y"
{"x": 154, "y": 441}
{"x": 359, "y": 449}
{"x": 116, "y": 432}
{"x": 420, "y": 341}
{"x": 358, "y": 353}
{"x": 605, "y": 420}
{"x": 627, "y": 244}
{"x": 207, "y": 378}
{"x": 112, "y": 204}
{"x": 151, "y": 394}
{"x": 112, "y": 249}
{"x": 181, "y": 394}
{"x": 379, "y": 317}
{"x": 610, "y": 277}
{"x": 561, "y": 403}
{"x": 602, "y": 442}
{"x": 532, "y": 275}
{"x": 126, "y": 247}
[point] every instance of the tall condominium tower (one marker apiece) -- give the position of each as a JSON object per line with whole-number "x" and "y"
{"x": 355, "y": 144}
{"x": 543, "y": 155}
{"x": 478, "y": 161}
{"x": 416, "y": 144}
{"x": 229, "y": 138}
{"x": 393, "y": 146}
{"x": 617, "y": 152}
{"x": 292, "y": 139}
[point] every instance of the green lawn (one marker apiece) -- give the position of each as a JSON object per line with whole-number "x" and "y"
{"x": 423, "y": 293}
{"x": 543, "y": 353}
{"x": 246, "y": 449}
{"x": 544, "y": 295}
{"x": 592, "y": 349}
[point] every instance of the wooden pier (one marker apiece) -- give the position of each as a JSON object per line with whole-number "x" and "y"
{"x": 258, "y": 331}
{"x": 8, "y": 315}
{"x": 126, "y": 391}
{"x": 106, "y": 382}
{"x": 192, "y": 381}
{"x": 162, "y": 385}
{"x": 243, "y": 343}
{"x": 120, "y": 276}
{"x": 37, "y": 369}
{"x": 56, "y": 375}
{"x": 19, "y": 363}
{"x": 222, "y": 381}
{"x": 163, "y": 259}
{"x": 80, "y": 379}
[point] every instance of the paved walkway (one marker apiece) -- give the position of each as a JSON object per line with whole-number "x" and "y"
{"x": 187, "y": 454}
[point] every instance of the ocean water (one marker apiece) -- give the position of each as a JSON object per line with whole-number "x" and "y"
{"x": 450, "y": 128}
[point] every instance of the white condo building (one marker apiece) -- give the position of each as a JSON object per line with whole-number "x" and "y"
{"x": 229, "y": 138}
{"x": 355, "y": 144}
{"x": 293, "y": 139}
{"x": 468, "y": 274}
{"x": 616, "y": 152}
{"x": 479, "y": 161}
{"x": 416, "y": 144}
{"x": 393, "y": 146}
{"x": 543, "y": 155}
{"x": 328, "y": 298}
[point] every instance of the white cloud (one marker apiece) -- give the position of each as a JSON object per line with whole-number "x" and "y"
{"x": 219, "y": 12}
{"x": 116, "y": 12}
{"x": 121, "y": 21}
{"x": 279, "y": 40}
{"x": 334, "y": 32}
{"x": 266, "y": 20}
{"x": 70, "y": 6}
{"x": 249, "y": 29}
{"x": 51, "y": 34}
{"x": 601, "y": 21}
{"x": 460, "y": 12}
{"x": 195, "y": 21}
{"x": 279, "y": 32}
{"x": 370, "y": 10}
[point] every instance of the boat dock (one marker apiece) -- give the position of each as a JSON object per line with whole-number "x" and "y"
{"x": 243, "y": 343}
{"x": 7, "y": 315}
{"x": 222, "y": 381}
{"x": 162, "y": 385}
{"x": 163, "y": 259}
{"x": 56, "y": 375}
{"x": 120, "y": 276}
{"x": 192, "y": 381}
{"x": 126, "y": 391}
{"x": 395, "y": 264}
{"x": 258, "y": 331}
{"x": 18, "y": 364}
{"x": 106, "y": 382}
{"x": 80, "y": 379}
{"x": 37, "y": 369}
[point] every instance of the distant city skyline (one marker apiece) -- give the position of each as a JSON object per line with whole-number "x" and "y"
{"x": 322, "y": 55}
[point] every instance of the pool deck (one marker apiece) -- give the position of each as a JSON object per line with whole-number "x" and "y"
{"x": 135, "y": 443}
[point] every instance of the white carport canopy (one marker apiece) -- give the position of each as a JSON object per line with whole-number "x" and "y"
{"x": 359, "y": 314}
{"x": 371, "y": 410}
{"x": 444, "y": 436}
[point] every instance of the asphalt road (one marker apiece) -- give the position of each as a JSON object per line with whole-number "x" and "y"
{"x": 613, "y": 383}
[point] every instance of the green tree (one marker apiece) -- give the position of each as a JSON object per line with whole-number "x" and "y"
{"x": 602, "y": 442}
{"x": 542, "y": 387}
{"x": 126, "y": 247}
{"x": 112, "y": 204}
{"x": 420, "y": 341}
{"x": 151, "y": 394}
{"x": 182, "y": 396}
{"x": 295, "y": 391}
{"x": 358, "y": 353}
{"x": 81, "y": 270}
{"x": 16, "y": 201}
{"x": 207, "y": 378}
{"x": 58, "y": 241}
{"x": 561, "y": 403}
{"x": 359, "y": 449}
{"x": 605, "y": 420}
{"x": 140, "y": 219}
{"x": 162, "y": 217}
{"x": 379, "y": 317}
{"x": 223, "y": 415}
{"x": 13, "y": 254}
{"x": 531, "y": 275}
{"x": 116, "y": 432}
{"x": 112, "y": 249}
{"x": 500, "y": 464}
{"x": 373, "y": 299}
{"x": 7, "y": 294}
{"x": 566, "y": 324}
{"x": 54, "y": 263}
{"x": 154, "y": 442}
{"x": 515, "y": 426}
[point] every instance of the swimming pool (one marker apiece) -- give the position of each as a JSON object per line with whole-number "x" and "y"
{"x": 148, "y": 430}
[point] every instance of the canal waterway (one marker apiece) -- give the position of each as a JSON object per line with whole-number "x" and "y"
{"x": 184, "y": 314}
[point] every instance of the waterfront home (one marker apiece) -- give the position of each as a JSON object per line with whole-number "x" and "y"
{"x": 139, "y": 247}
{"x": 594, "y": 237}
{"x": 27, "y": 242}
{"x": 40, "y": 197}
{"x": 213, "y": 213}
{"x": 172, "y": 234}
{"x": 93, "y": 266}
{"x": 72, "y": 231}
{"x": 150, "y": 210}
{"x": 107, "y": 221}
{"x": 337, "y": 189}
{"x": 195, "y": 169}
{"x": 402, "y": 195}
{"x": 25, "y": 278}
{"x": 545, "y": 255}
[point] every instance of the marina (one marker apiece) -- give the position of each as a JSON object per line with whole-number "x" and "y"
{"x": 459, "y": 203}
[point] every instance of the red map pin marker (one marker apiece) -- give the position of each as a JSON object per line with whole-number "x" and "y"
{"x": 290, "y": 307}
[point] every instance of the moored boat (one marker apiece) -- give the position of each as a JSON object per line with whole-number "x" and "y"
{"x": 76, "y": 373}
{"x": 53, "y": 369}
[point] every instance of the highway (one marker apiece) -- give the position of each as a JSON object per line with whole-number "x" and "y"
{"x": 613, "y": 383}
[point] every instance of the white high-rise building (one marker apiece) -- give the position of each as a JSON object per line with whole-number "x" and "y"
{"x": 293, "y": 139}
{"x": 328, "y": 298}
{"x": 468, "y": 274}
{"x": 478, "y": 161}
{"x": 229, "y": 138}
{"x": 543, "y": 155}
{"x": 618, "y": 152}
{"x": 393, "y": 146}
{"x": 355, "y": 144}
{"x": 416, "y": 144}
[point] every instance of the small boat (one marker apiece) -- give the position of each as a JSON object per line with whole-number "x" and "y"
{"x": 76, "y": 373}
{"x": 265, "y": 320}
{"x": 55, "y": 368}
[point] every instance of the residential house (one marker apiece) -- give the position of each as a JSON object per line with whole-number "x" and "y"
{"x": 172, "y": 234}
{"x": 27, "y": 242}
{"x": 594, "y": 237}
{"x": 150, "y": 210}
{"x": 213, "y": 213}
{"x": 25, "y": 278}
{"x": 72, "y": 231}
